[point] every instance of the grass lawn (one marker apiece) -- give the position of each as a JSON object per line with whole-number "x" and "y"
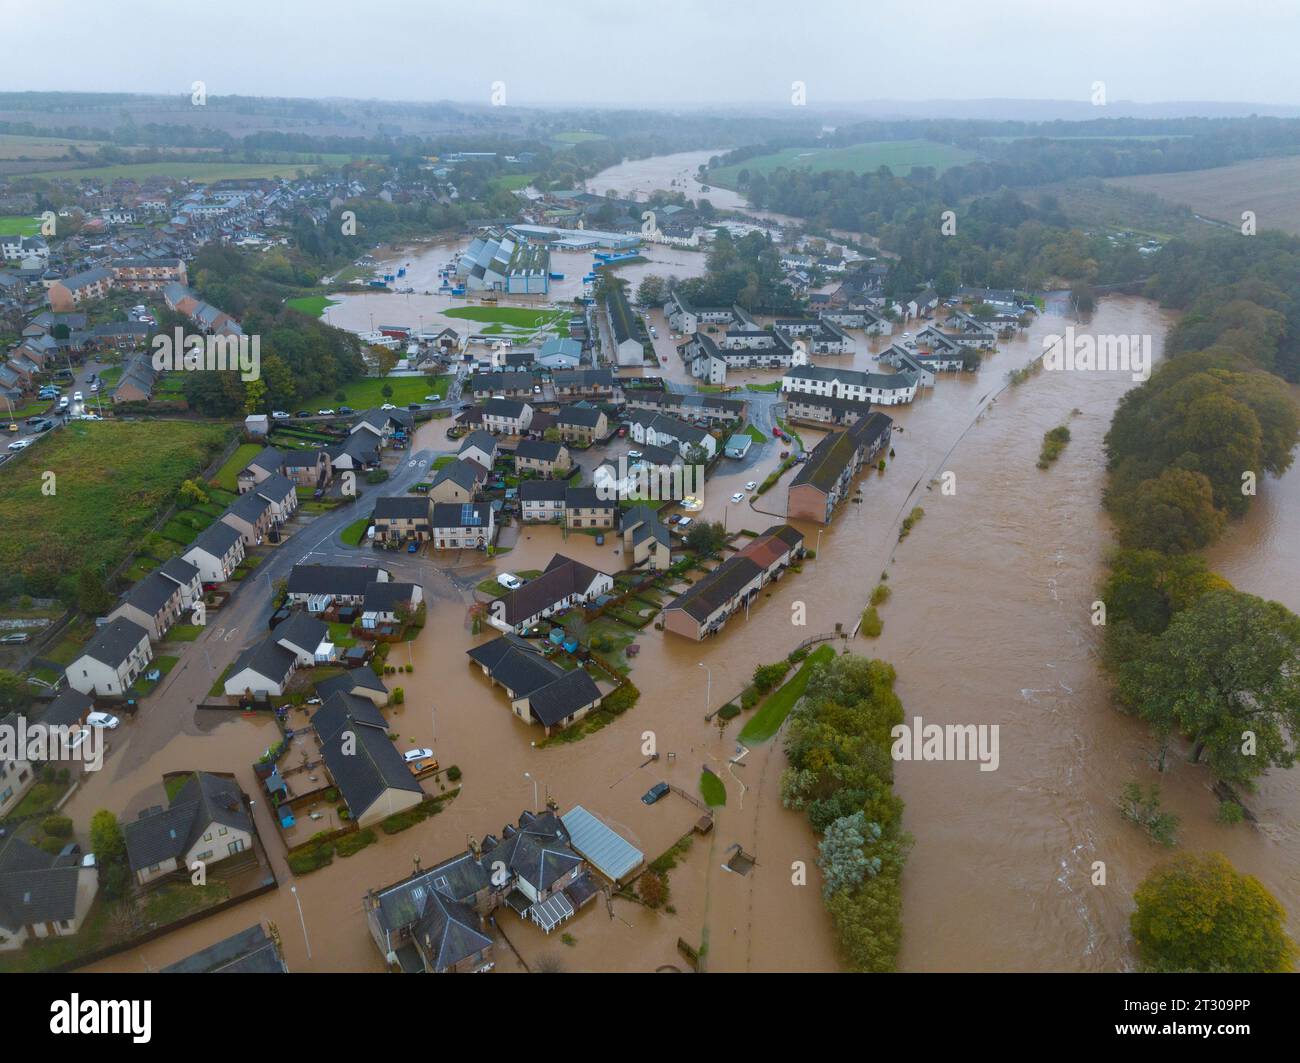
{"x": 112, "y": 480}
{"x": 244, "y": 453}
{"x": 519, "y": 317}
{"x": 311, "y": 305}
{"x": 755, "y": 434}
{"x": 184, "y": 632}
{"x": 341, "y": 635}
{"x": 901, "y": 156}
{"x": 775, "y": 385}
{"x": 767, "y": 720}
{"x": 355, "y": 532}
{"x": 441, "y": 463}
{"x": 368, "y": 392}
{"x": 712, "y": 789}
{"x": 19, "y": 225}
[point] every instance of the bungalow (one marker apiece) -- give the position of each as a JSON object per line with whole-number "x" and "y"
{"x": 205, "y": 823}
{"x": 468, "y": 525}
{"x": 307, "y": 638}
{"x": 540, "y": 691}
{"x": 535, "y": 455}
{"x": 319, "y": 586}
{"x": 707, "y": 604}
{"x": 154, "y": 602}
{"x": 43, "y": 895}
{"x": 263, "y": 670}
{"x": 401, "y": 518}
{"x": 479, "y": 446}
{"x": 564, "y": 583}
{"x": 582, "y": 424}
{"x": 363, "y": 682}
{"x": 216, "y": 552}
{"x": 823, "y": 481}
{"x": 371, "y": 775}
{"x": 112, "y": 659}
{"x": 390, "y": 603}
{"x": 507, "y": 417}
{"x": 461, "y": 481}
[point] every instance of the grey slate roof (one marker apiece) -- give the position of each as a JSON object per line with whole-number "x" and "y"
{"x": 35, "y": 887}
{"x": 113, "y": 643}
{"x": 203, "y": 801}
{"x": 250, "y": 951}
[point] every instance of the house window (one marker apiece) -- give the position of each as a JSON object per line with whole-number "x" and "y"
{"x": 236, "y": 846}
{"x": 153, "y": 869}
{"x": 223, "y": 832}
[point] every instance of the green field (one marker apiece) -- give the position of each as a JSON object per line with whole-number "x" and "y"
{"x": 577, "y": 136}
{"x": 901, "y": 156}
{"x": 311, "y": 305}
{"x": 237, "y": 463}
{"x": 112, "y": 479}
{"x": 16, "y": 223}
{"x": 184, "y": 171}
{"x": 514, "y": 316}
{"x": 772, "y": 713}
{"x": 368, "y": 392}
{"x": 16, "y": 146}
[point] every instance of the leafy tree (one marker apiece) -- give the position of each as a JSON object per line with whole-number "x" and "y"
{"x": 1223, "y": 673}
{"x": 1174, "y": 512}
{"x": 706, "y": 537}
{"x": 840, "y": 853}
{"x": 15, "y": 692}
{"x": 1198, "y": 913}
{"x": 92, "y": 596}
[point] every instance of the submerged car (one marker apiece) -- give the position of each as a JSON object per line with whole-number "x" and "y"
{"x": 412, "y": 755}
{"x": 739, "y": 496}
{"x": 655, "y": 792}
{"x": 751, "y": 485}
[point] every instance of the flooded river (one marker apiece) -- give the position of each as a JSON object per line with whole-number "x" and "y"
{"x": 988, "y": 624}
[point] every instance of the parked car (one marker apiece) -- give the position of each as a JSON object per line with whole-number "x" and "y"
{"x": 413, "y": 547}
{"x": 634, "y": 454}
{"x": 15, "y": 639}
{"x": 388, "y": 406}
{"x": 103, "y": 719}
{"x": 432, "y": 398}
{"x": 14, "y": 428}
{"x": 414, "y": 407}
{"x": 600, "y": 539}
{"x": 655, "y": 792}
{"x": 510, "y": 581}
{"x": 346, "y": 409}
{"x": 683, "y": 522}
{"x": 77, "y": 396}
{"x": 20, "y": 444}
{"x": 739, "y": 496}
{"x": 753, "y": 484}
{"x": 303, "y": 413}
{"x": 279, "y": 415}
{"x": 324, "y": 413}
{"x": 412, "y": 755}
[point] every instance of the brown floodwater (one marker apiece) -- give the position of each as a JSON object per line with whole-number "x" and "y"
{"x": 988, "y": 623}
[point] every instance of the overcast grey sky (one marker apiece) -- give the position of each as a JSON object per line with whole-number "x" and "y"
{"x": 663, "y": 51}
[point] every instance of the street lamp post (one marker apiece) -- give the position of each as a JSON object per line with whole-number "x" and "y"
{"x": 708, "y": 688}
{"x": 302, "y": 919}
{"x": 534, "y": 782}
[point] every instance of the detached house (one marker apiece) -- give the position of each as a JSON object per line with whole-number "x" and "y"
{"x": 207, "y": 821}
{"x": 43, "y": 895}
{"x": 265, "y": 668}
{"x": 461, "y": 481}
{"x": 112, "y": 660}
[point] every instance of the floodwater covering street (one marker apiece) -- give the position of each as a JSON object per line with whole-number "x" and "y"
{"x": 988, "y": 623}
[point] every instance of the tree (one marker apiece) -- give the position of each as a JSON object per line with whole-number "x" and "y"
{"x": 841, "y": 855}
{"x": 1223, "y": 673}
{"x": 108, "y": 843}
{"x": 15, "y": 693}
{"x": 92, "y": 595}
{"x": 1198, "y": 913}
{"x": 191, "y": 494}
{"x": 1174, "y": 512}
{"x": 706, "y": 537}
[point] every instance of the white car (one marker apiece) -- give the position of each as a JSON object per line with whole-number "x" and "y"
{"x": 102, "y": 719}
{"x": 63, "y": 403}
{"x": 324, "y": 413}
{"x": 510, "y": 581}
{"x": 94, "y": 388}
{"x": 683, "y": 522}
{"x": 412, "y": 755}
{"x": 279, "y": 415}
{"x": 751, "y": 485}
{"x": 388, "y": 406}
{"x": 739, "y": 496}
{"x": 77, "y": 396}
{"x": 20, "y": 444}
{"x": 432, "y": 398}
{"x": 634, "y": 454}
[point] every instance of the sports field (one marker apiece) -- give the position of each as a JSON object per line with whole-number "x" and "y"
{"x": 184, "y": 171}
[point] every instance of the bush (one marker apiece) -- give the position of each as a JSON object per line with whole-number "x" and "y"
{"x": 872, "y": 625}
{"x": 749, "y": 697}
{"x": 652, "y": 887}
{"x": 312, "y": 858}
{"x": 354, "y": 843}
{"x": 880, "y": 595}
{"x": 729, "y": 711}
{"x": 767, "y": 676}
{"x": 57, "y": 826}
{"x": 376, "y": 476}
{"x": 1230, "y": 812}
{"x": 620, "y": 700}
{"x": 453, "y": 773}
